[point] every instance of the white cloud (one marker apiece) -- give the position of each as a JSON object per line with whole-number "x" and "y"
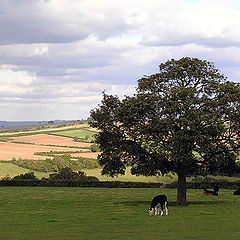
{"x": 57, "y": 55}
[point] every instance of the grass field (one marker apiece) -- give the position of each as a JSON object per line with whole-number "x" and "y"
{"x": 90, "y": 213}
{"x": 82, "y": 134}
{"x": 10, "y": 169}
{"x": 128, "y": 177}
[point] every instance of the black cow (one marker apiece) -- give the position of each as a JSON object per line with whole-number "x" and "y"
{"x": 237, "y": 192}
{"x": 211, "y": 193}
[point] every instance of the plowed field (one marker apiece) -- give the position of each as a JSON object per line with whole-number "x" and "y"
{"x": 46, "y": 139}
{"x": 86, "y": 155}
{"x": 9, "y": 150}
{"x": 26, "y": 146}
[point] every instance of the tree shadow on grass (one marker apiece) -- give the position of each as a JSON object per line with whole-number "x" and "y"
{"x": 206, "y": 202}
{"x": 171, "y": 203}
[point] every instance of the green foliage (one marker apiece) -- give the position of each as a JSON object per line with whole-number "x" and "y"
{"x": 56, "y": 163}
{"x": 4, "y": 139}
{"x": 25, "y": 176}
{"x": 67, "y": 173}
{"x": 95, "y": 148}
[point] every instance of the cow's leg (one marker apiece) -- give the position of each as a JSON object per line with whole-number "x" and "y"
{"x": 166, "y": 208}
{"x": 157, "y": 210}
{"x": 161, "y": 209}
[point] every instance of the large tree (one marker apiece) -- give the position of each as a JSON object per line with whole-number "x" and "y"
{"x": 184, "y": 120}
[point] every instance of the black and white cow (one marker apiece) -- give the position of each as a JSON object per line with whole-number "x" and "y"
{"x": 158, "y": 201}
{"x": 237, "y": 192}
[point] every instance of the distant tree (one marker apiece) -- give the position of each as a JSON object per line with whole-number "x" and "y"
{"x": 184, "y": 120}
{"x": 68, "y": 174}
{"x": 26, "y": 176}
{"x": 94, "y": 148}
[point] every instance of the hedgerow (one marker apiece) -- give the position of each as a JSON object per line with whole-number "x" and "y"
{"x": 56, "y": 163}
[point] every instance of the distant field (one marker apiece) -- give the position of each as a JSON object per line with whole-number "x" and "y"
{"x": 128, "y": 177}
{"x": 10, "y": 169}
{"x": 46, "y": 129}
{"x": 83, "y": 134}
{"x": 25, "y": 151}
{"x": 106, "y": 214}
{"x": 46, "y": 139}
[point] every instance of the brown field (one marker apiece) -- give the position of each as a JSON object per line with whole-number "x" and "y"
{"x": 45, "y": 139}
{"x": 86, "y": 155}
{"x": 9, "y": 150}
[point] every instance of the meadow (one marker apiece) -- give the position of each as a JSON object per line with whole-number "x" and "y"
{"x": 90, "y": 213}
{"x": 83, "y": 134}
{"x": 102, "y": 213}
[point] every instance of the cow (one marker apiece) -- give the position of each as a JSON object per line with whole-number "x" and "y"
{"x": 158, "y": 201}
{"x": 211, "y": 193}
{"x": 237, "y": 192}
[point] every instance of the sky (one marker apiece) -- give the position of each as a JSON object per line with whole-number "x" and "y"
{"x": 58, "y": 56}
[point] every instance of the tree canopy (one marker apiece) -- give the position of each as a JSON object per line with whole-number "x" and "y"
{"x": 184, "y": 120}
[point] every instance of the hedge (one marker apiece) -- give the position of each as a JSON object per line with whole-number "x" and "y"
{"x": 116, "y": 184}
{"x": 70, "y": 183}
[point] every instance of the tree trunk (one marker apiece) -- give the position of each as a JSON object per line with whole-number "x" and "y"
{"x": 182, "y": 191}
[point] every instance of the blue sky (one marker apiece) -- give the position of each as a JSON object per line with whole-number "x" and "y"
{"x": 57, "y": 56}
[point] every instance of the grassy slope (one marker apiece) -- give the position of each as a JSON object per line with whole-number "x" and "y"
{"x": 9, "y": 169}
{"x": 89, "y": 213}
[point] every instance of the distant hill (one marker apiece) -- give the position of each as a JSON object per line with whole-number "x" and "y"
{"x": 7, "y": 124}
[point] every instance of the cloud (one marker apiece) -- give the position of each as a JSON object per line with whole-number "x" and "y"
{"x": 208, "y": 23}
{"x": 58, "y": 55}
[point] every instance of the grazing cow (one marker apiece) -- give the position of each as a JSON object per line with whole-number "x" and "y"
{"x": 159, "y": 200}
{"x": 211, "y": 193}
{"x": 237, "y": 192}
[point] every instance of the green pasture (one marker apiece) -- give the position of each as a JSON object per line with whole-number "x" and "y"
{"x": 128, "y": 177}
{"x": 83, "y": 134}
{"x": 100, "y": 213}
{"x": 10, "y": 169}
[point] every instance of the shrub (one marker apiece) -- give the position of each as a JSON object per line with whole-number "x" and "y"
{"x": 56, "y": 163}
{"x": 67, "y": 174}
{"x": 95, "y": 148}
{"x": 25, "y": 176}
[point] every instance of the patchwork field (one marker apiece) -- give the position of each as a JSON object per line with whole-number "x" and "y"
{"x": 46, "y": 139}
{"x": 9, "y": 150}
{"x": 25, "y": 145}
